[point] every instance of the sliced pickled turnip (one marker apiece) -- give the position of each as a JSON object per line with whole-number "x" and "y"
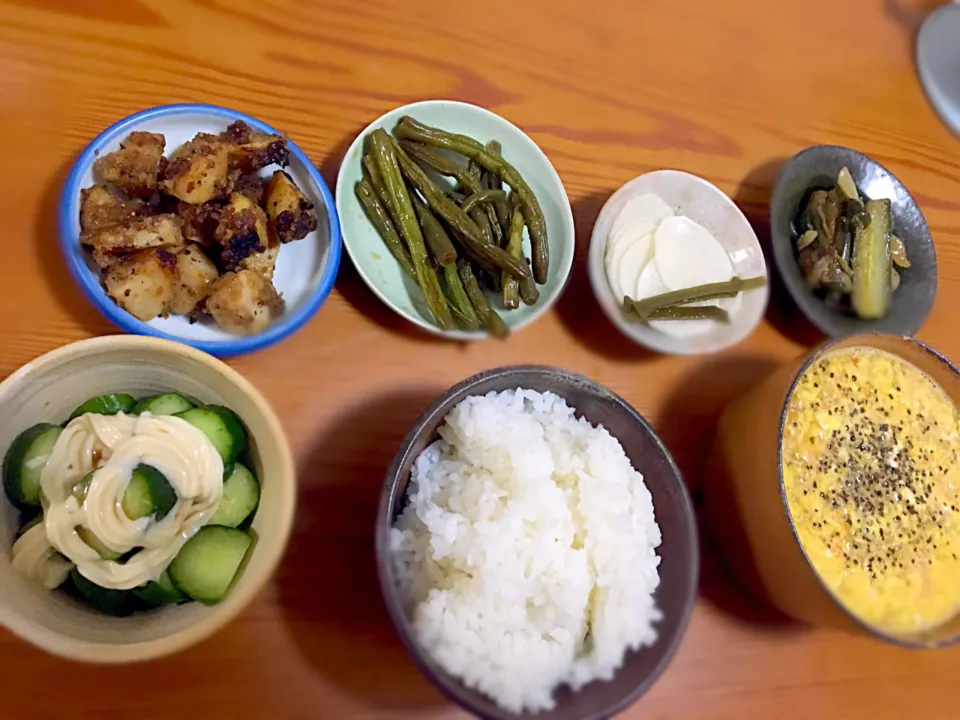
{"x": 641, "y": 209}
{"x": 626, "y": 235}
{"x": 649, "y": 283}
{"x": 613, "y": 262}
{"x": 629, "y": 268}
{"x": 687, "y": 255}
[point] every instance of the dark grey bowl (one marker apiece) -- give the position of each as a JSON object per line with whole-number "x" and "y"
{"x": 818, "y": 167}
{"x": 679, "y": 567}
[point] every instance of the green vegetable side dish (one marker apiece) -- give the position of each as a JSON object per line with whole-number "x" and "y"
{"x": 847, "y": 251}
{"x": 470, "y": 223}
{"x": 208, "y": 563}
{"x": 656, "y": 307}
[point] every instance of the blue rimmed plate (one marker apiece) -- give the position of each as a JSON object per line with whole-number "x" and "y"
{"x": 305, "y": 269}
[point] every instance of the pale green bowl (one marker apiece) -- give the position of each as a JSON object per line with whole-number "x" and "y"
{"x": 381, "y": 272}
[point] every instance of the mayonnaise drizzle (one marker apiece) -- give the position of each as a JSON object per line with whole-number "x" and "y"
{"x": 112, "y": 446}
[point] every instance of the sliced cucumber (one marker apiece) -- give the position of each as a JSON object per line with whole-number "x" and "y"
{"x": 222, "y": 427}
{"x": 81, "y": 489}
{"x": 159, "y": 592}
{"x": 107, "y": 601}
{"x": 166, "y": 404}
{"x": 149, "y": 493}
{"x": 207, "y": 565}
{"x": 106, "y": 405}
{"x": 241, "y": 493}
{"x": 25, "y": 461}
{"x": 86, "y": 534}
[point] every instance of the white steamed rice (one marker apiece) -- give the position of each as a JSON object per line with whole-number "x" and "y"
{"x": 526, "y": 551}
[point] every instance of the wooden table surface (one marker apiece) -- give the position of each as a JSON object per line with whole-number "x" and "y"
{"x": 609, "y": 90}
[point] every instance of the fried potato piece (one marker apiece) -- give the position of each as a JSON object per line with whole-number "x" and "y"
{"x": 198, "y": 170}
{"x": 292, "y": 216}
{"x": 244, "y": 302}
{"x": 157, "y": 231}
{"x": 242, "y": 231}
{"x": 263, "y": 262}
{"x": 143, "y": 283}
{"x": 100, "y": 209}
{"x": 194, "y": 275}
{"x": 251, "y": 150}
{"x": 136, "y": 166}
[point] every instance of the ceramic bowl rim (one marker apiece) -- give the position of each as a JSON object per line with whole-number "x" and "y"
{"x": 448, "y": 684}
{"x": 566, "y": 258}
{"x": 219, "y": 615}
{"x": 73, "y": 253}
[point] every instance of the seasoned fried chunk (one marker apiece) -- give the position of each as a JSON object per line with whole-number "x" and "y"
{"x": 149, "y": 232}
{"x": 199, "y": 221}
{"x": 194, "y": 275}
{"x": 100, "y": 209}
{"x": 251, "y": 186}
{"x": 135, "y": 167}
{"x": 198, "y": 170}
{"x": 292, "y": 216}
{"x": 251, "y": 150}
{"x": 142, "y": 283}
{"x": 242, "y": 231}
{"x": 244, "y": 302}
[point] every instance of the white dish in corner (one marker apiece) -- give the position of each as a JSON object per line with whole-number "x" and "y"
{"x": 709, "y": 206}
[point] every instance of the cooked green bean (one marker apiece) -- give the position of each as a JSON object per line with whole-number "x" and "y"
{"x": 502, "y": 207}
{"x": 460, "y": 304}
{"x": 381, "y": 221}
{"x": 464, "y": 229}
{"x": 437, "y": 239}
{"x": 527, "y": 287}
{"x": 386, "y": 159}
{"x": 483, "y": 222}
{"x": 710, "y": 291}
{"x": 440, "y": 163}
{"x": 694, "y": 312}
{"x": 412, "y": 130}
{"x": 493, "y": 322}
{"x": 483, "y": 197}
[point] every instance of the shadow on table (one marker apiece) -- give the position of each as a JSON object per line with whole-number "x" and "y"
{"x": 46, "y": 244}
{"x": 577, "y": 308}
{"x": 688, "y": 426}
{"x": 753, "y": 198}
{"x": 327, "y": 585}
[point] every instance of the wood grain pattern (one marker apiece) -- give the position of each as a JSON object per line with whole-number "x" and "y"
{"x": 609, "y": 89}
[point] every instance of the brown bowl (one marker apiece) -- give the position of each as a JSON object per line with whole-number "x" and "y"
{"x": 679, "y": 552}
{"x": 746, "y": 505}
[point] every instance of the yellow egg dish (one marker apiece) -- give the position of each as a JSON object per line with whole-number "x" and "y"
{"x": 870, "y": 448}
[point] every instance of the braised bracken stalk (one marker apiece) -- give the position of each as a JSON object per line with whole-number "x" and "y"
{"x": 465, "y": 230}
{"x": 412, "y": 130}
{"x": 460, "y": 304}
{"x": 376, "y": 182}
{"x": 481, "y": 220}
{"x": 696, "y": 312}
{"x": 493, "y": 322}
{"x": 511, "y": 285}
{"x": 711, "y": 291}
{"x": 528, "y": 288}
{"x": 502, "y": 206}
{"x": 437, "y": 239}
{"x": 384, "y": 225}
{"x": 483, "y": 197}
{"x": 386, "y": 159}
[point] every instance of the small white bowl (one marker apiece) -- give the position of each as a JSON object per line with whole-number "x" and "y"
{"x": 305, "y": 269}
{"x": 707, "y": 205}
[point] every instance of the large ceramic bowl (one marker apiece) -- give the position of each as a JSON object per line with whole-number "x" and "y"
{"x": 305, "y": 269}
{"x": 47, "y": 390}
{"x": 746, "y": 505}
{"x": 679, "y": 567}
{"x": 381, "y": 272}
{"x": 817, "y": 167}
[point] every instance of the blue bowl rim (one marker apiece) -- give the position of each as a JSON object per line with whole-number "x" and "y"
{"x": 90, "y": 285}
